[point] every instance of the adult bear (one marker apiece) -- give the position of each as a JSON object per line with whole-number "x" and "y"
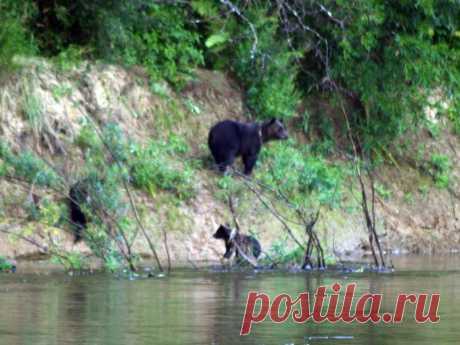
{"x": 229, "y": 139}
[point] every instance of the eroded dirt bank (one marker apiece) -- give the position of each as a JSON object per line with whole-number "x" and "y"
{"x": 414, "y": 215}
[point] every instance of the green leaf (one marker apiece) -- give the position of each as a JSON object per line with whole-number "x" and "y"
{"x": 216, "y": 39}
{"x": 205, "y": 8}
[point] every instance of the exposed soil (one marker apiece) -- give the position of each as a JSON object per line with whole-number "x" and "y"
{"x": 413, "y": 215}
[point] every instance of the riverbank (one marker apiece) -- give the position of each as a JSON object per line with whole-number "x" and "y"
{"x": 415, "y": 212}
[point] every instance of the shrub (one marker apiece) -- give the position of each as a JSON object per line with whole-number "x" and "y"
{"x": 69, "y": 57}
{"x": 28, "y": 166}
{"x": 440, "y": 168}
{"x": 102, "y": 202}
{"x": 393, "y": 55}
{"x": 5, "y": 265}
{"x": 268, "y": 73}
{"x": 138, "y": 32}
{"x": 281, "y": 253}
{"x": 265, "y": 65}
{"x": 151, "y": 167}
{"x": 154, "y": 167}
{"x": 385, "y": 57}
{"x": 70, "y": 260}
{"x": 141, "y": 32}
{"x": 305, "y": 179}
{"x": 14, "y": 34}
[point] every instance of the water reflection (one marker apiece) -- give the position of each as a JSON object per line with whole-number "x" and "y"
{"x": 207, "y": 308}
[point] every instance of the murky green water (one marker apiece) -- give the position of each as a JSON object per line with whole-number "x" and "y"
{"x": 207, "y": 308}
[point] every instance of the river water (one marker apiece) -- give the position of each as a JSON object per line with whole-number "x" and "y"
{"x": 207, "y": 307}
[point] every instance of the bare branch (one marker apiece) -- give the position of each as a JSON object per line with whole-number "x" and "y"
{"x": 233, "y": 8}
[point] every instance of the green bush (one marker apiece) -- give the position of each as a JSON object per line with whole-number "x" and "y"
{"x": 159, "y": 37}
{"x": 304, "y": 178}
{"x": 70, "y": 57}
{"x": 27, "y": 166}
{"x": 15, "y": 37}
{"x": 5, "y": 265}
{"x": 154, "y": 167}
{"x": 113, "y": 160}
{"x": 385, "y": 57}
{"x": 291, "y": 171}
{"x": 440, "y": 168}
{"x": 269, "y": 72}
{"x": 265, "y": 65}
{"x": 280, "y": 253}
{"x": 393, "y": 55}
{"x": 100, "y": 197}
{"x": 145, "y": 33}
{"x": 70, "y": 260}
{"x": 151, "y": 167}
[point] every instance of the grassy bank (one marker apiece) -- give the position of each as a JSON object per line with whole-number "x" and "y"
{"x": 119, "y": 105}
{"x": 111, "y": 128}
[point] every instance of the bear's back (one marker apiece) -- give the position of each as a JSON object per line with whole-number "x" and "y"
{"x": 226, "y": 129}
{"x": 234, "y": 134}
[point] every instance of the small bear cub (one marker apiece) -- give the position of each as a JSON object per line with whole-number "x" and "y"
{"x": 78, "y": 196}
{"x": 229, "y": 139}
{"x": 248, "y": 244}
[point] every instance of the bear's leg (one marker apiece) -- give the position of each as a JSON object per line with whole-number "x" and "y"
{"x": 225, "y": 161}
{"x": 229, "y": 249}
{"x": 256, "y": 247}
{"x": 78, "y": 233}
{"x": 249, "y": 162}
{"x": 223, "y": 167}
{"x": 78, "y": 220}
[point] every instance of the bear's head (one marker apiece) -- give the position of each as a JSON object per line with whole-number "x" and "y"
{"x": 223, "y": 233}
{"x": 274, "y": 129}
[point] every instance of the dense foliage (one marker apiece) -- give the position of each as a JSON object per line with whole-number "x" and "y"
{"x": 15, "y": 37}
{"x": 386, "y": 58}
{"x": 150, "y": 167}
{"x": 26, "y": 166}
{"x": 393, "y": 55}
{"x": 136, "y": 32}
{"x": 306, "y": 180}
{"x": 264, "y": 66}
{"x": 113, "y": 164}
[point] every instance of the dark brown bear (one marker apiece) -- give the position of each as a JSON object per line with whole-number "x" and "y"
{"x": 83, "y": 204}
{"x": 248, "y": 244}
{"x": 229, "y": 139}
{"x": 77, "y": 196}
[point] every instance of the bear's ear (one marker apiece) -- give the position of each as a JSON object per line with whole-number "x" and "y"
{"x": 272, "y": 121}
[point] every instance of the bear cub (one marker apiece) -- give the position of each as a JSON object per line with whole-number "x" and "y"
{"x": 229, "y": 139}
{"x": 80, "y": 198}
{"x": 246, "y": 243}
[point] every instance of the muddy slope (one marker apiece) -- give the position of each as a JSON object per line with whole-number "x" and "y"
{"x": 413, "y": 214}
